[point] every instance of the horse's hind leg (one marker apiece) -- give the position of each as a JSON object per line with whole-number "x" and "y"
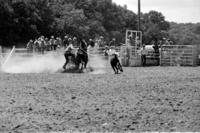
{"x": 120, "y": 67}
{"x": 85, "y": 64}
{"x": 117, "y": 69}
{"x": 85, "y": 61}
{"x": 82, "y": 65}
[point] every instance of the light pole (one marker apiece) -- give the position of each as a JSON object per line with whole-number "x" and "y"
{"x": 139, "y": 6}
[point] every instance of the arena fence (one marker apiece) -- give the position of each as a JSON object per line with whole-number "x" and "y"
{"x": 130, "y": 56}
{"x": 24, "y": 52}
{"x": 179, "y": 55}
{"x": 170, "y": 55}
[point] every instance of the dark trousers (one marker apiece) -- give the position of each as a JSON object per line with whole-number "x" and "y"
{"x": 143, "y": 58}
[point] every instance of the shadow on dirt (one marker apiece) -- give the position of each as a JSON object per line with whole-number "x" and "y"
{"x": 75, "y": 70}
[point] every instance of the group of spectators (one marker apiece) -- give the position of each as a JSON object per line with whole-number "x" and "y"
{"x": 42, "y": 44}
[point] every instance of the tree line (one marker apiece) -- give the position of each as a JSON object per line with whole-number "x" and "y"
{"x": 22, "y": 20}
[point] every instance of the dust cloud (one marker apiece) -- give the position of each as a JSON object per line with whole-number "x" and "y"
{"x": 47, "y": 63}
{"x": 98, "y": 63}
{"x": 50, "y": 62}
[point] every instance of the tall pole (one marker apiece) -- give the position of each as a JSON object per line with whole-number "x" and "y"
{"x": 139, "y": 6}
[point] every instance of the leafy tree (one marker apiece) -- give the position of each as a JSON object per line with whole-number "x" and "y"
{"x": 22, "y": 20}
{"x": 155, "y": 27}
{"x": 184, "y": 34}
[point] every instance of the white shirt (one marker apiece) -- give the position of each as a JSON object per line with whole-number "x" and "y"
{"x": 70, "y": 47}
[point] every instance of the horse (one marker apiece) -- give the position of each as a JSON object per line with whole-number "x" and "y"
{"x": 81, "y": 59}
{"x": 115, "y": 64}
{"x": 82, "y": 55}
{"x": 78, "y": 57}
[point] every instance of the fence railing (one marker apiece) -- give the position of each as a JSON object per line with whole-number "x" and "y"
{"x": 179, "y": 55}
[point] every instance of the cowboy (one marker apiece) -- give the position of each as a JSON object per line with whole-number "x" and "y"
{"x": 36, "y": 46}
{"x": 56, "y": 43}
{"x": 112, "y": 42}
{"x": 46, "y": 43}
{"x": 106, "y": 51}
{"x": 101, "y": 41}
{"x": 30, "y": 46}
{"x": 42, "y": 45}
{"x": 91, "y": 43}
{"x": 75, "y": 41}
{"x": 70, "y": 47}
{"x": 68, "y": 52}
{"x": 52, "y": 41}
{"x": 65, "y": 41}
{"x": 60, "y": 42}
{"x": 144, "y": 52}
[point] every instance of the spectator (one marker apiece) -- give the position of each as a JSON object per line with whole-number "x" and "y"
{"x": 91, "y": 43}
{"x": 30, "y": 46}
{"x": 112, "y": 42}
{"x": 46, "y": 43}
{"x": 51, "y": 42}
{"x": 65, "y": 41}
{"x": 75, "y": 42}
{"x": 143, "y": 55}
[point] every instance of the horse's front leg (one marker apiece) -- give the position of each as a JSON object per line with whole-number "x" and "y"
{"x": 117, "y": 70}
{"x": 114, "y": 69}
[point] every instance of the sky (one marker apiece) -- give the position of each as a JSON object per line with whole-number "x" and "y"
{"x": 180, "y": 11}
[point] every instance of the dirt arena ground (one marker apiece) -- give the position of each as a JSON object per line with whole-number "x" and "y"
{"x": 140, "y": 99}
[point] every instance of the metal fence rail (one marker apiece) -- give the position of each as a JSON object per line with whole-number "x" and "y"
{"x": 178, "y": 55}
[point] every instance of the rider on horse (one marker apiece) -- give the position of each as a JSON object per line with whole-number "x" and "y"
{"x": 70, "y": 47}
{"x": 69, "y": 52}
{"x": 81, "y": 56}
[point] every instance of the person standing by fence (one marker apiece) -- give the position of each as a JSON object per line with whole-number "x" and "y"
{"x": 156, "y": 52}
{"x": 143, "y": 55}
{"x": 91, "y": 43}
{"x": 112, "y": 42}
{"x": 101, "y": 41}
{"x": 35, "y": 46}
{"x": 29, "y": 46}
